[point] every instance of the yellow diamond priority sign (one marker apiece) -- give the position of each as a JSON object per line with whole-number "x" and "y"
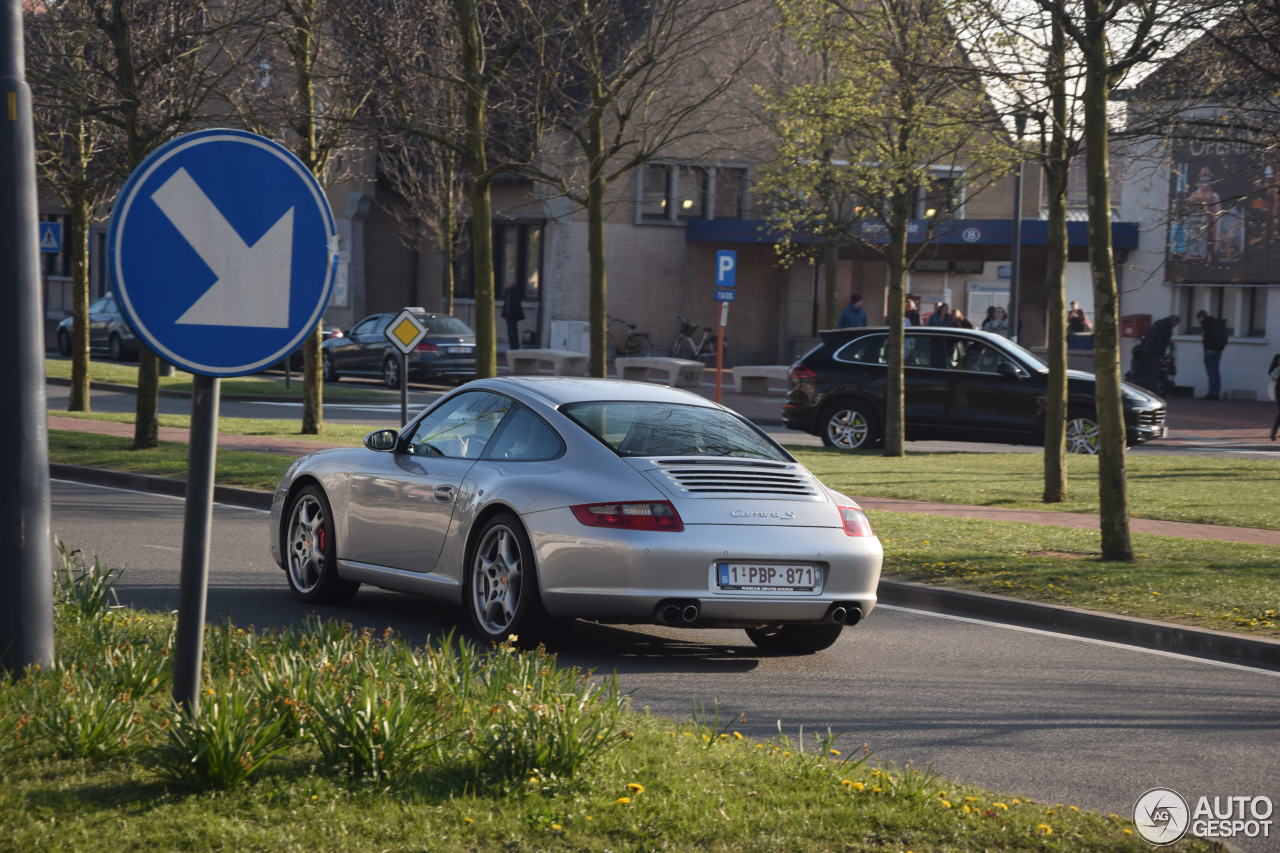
{"x": 405, "y": 331}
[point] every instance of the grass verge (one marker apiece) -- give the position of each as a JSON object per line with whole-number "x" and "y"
{"x": 95, "y": 744}
{"x": 249, "y": 469}
{"x": 1226, "y": 586}
{"x": 1204, "y": 489}
{"x": 245, "y": 386}
{"x": 333, "y": 431}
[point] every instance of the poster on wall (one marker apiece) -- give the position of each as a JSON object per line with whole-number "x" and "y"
{"x": 1224, "y": 213}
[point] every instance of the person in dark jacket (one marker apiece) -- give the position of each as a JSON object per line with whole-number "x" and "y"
{"x": 911, "y": 315}
{"x": 854, "y": 316}
{"x": 1274, "y": 372}
{"x": 1213, "y": 331}
{"x": 941, "y": 315}
{"x": 513, "y": 313}
{"x": 1149, "y": 352}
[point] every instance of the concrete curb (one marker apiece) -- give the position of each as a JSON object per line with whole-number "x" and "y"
{"x": 1130, "y": 631}
{"x": 231, "y": 398}
{"x": 1145, "y": 633}
{"x": 233, "y": 495}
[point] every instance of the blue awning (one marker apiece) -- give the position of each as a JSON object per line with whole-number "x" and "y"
{"x": 959, "y": 232}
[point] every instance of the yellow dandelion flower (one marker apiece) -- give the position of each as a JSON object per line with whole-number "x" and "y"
{"x": 556, "y": 827}
{"x": 846, "y": 782}
{"x": 973, "y": 799}
{"x": 877, "y": 790}
{"x": 208, "y": 691}
{"x": 1073, "y": 808}
{"x": 966, "y": 808}
{"x": 622, "y": 800}
{"x": 533, "y": 780}
{"x": 589, "y": 817}
{"x": 737, "y": 735}
{"x": 468, "y": 820}
{"x": 315, "y": 796}
{"x": 858, "y": 786}
{"x": 1127, "y": 831}
{"x": 946, "y": 803}
{"x": 942, "y": 793}
{"x": 1003, "y": 806}
{"x": 1017, "y": 801}
{"x": 1044, "y": 829}
{"x": 635, "y": 787}
{"x": 835, "y": 752}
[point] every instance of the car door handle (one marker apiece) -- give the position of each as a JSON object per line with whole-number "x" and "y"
{"x": 444, "y": 494}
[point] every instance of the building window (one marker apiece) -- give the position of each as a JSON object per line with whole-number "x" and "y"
{"x": 943, "y": 196}
{"x": 671, "y": 192}
{"x": 1243, "y": 308}
{"x": 1255, "y": 312}
{"x": 517, "y": 259}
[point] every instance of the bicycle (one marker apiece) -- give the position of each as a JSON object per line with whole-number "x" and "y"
{"x": 687, "y": 346}
{"x": 635, "y": 343}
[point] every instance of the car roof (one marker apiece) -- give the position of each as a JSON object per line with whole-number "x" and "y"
{"x": 842, "y": 335}
{"x": 559, "y": 390}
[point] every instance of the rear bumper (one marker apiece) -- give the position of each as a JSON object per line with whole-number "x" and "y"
{"x": 429, "y": 367}
{"x": 622, "y": 576}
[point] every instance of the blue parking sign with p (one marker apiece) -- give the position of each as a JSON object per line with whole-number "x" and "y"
{"x": 726, "y": 268}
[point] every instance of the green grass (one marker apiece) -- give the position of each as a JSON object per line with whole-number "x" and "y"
{"x": 1204, "y": 489}
{"x": 1221, "y": 585}
{"x": 336, "y": 432}
{"x": 655, "y": 784}
{"x": 242, "y": 386}
{"x": 249, "y": 469}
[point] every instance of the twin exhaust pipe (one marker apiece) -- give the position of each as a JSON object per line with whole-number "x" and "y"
{"x": 687, "y": 611}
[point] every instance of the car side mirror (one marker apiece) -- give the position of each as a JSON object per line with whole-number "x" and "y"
{"x": 1007, "y": 368}
{"x": 383, "y": 440}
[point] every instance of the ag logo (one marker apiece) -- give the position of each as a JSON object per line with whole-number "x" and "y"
{"x": 1161, "y": 816}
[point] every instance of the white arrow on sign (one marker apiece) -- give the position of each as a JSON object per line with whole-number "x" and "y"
{"x": 252, "y": 288}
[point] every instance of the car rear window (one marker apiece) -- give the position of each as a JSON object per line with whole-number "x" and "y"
{"x": 445, "y": 326}
{"x": 633, "y": 428}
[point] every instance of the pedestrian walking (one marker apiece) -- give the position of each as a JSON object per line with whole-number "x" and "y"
{"x": 941, "y": 315}
{"x": 1274, "y": 372}
{"x": 959, "y": 320}
{"x": 911, "y": 315}
{"x": 1213, "y": 331}
{"x": 997, "y": 321}
{"x": 513, "y": 313}
{"x": 854, "y": 316}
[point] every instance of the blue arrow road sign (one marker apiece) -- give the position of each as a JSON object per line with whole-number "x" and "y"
{"x": 725, "y": 294}
{"x": 51, "y": 237}
{"x": 726, "y": 270}
{"x": 221, "y": 246}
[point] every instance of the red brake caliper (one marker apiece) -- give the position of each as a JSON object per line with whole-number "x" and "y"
{"x": 320, "y": 540}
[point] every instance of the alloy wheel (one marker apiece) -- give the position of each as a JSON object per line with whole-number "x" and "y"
{"x": 1082, "y": 435}
{"x": 848, "y": 429}
{"x": 308, "y": 544}
{"x": 497, "y": 575}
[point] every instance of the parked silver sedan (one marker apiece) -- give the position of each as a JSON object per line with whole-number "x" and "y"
{"x": 536, "y": 499}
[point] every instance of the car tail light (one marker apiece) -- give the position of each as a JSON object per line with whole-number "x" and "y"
{"x": 632, "y": 515}
{"x": 427, "y": 347}
{"x": 854, "y": 521}
{"x": 802, "y": 374}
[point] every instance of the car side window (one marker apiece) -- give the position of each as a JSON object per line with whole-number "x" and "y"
{"x": 460, "y": 427}
{"x": 381, "y": 325}
{"x": 865, "y": 350}
{"x": 917, "y": 351}
{"x": 365, "y": 327}
{"x": 525, "y": 437}
{"x": 100, "y": 306}
{"x": 973, "y": 357}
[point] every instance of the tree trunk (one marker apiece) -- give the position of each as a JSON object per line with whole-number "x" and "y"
{"x": 896, "y": 257}
{"x": 476, "y": 167}
{"x": 1112, "y": 485}
{"x": 146, "y": 427}
{"x": 312, "y": 383}
{"x": 448, "y": 240}
{"x": 1055, "y": 280}
{"x": 78, "y": 245}
{"x": 309, "y": 154}
{"x": 598, "y": 302}
{"x": 830, "y": 276}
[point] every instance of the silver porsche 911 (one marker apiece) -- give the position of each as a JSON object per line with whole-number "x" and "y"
{"x": 535, "y": 499}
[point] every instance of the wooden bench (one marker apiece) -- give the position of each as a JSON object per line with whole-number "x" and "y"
{"x": 754, "y": 378}
{"x": 527, "y": 362}
{"x": 680, "y": 372}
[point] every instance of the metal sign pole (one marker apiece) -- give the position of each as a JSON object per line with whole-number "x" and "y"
{"x": 26, "y": 605}
{"x": 196, "y": 524}
{"x": 404, "y": 388}
{"x": 724, "y": 321}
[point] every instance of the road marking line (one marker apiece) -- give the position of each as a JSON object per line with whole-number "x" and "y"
{"x": 1060, "y": 635}
{"x": 152, "y": 494}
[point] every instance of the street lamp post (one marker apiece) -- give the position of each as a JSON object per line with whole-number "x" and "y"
{"x": 26, "y": 606}
{"x": 1015, "y": 250}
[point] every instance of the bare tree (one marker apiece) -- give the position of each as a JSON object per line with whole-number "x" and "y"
{"x": 440, "y": 60}
{"x": 898, "y": 114}
{"x": 73, "y": 149}
{"x": 297, "y": 82}
{"x": 624, "y": 83}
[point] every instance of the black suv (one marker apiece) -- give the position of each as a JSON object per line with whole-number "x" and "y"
{"x": 960, "y": 384}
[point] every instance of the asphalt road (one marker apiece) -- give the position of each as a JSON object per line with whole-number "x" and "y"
{"x": 1057, "y": 718}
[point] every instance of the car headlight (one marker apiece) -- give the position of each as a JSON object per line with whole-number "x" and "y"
{"x": 1133, "y": 395}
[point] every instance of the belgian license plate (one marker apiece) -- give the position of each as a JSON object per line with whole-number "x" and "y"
{"x": 763, "y": 577}
{"x": 457, "y": 350}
